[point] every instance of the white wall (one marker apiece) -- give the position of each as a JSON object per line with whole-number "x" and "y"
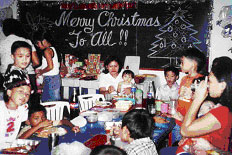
{"x": 219, "y": 45}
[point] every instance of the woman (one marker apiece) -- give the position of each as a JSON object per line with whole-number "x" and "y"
{"x": 113, "y": 75}
{"x": 217, "y": 122}
{"x": 49, "y": 68}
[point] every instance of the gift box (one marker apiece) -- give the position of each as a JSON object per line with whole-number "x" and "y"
{"x": 93, "y": 64}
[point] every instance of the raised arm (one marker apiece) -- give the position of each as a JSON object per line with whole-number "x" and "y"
{"x": 193, "y": 127}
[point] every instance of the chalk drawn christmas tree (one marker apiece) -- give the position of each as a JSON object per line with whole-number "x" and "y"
{"x": 175, "y": 36}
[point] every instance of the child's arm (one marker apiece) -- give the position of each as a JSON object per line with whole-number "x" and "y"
{"x": 119, "y": 87}
{"x": 32, "y": 130}
{"x": 68, "y": 123}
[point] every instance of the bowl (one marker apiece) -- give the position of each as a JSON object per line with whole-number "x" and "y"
{"x": 92, "y": 118}
{"x": 139, "y": 79}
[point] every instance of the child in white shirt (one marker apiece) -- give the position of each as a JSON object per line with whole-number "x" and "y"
{"x": 169, "y": 91}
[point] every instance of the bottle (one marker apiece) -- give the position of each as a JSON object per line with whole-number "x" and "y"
{"x": 74, "y": 104}
{"x": 139, "y": 96}
{"x": 133, "y": 90}
{"x": 150, "y": 96}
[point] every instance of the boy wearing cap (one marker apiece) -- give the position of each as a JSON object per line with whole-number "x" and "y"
{"x": 13, "y": 110}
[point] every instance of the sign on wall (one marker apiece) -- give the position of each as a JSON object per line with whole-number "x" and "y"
{"x": 158, "y": 33}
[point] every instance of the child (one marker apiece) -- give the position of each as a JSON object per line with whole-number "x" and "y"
{"x": 50, "y": 67}
{"x": 21, "y": 54}
{"x": 205, "y": 108}
{"x": 192, "y": 63}
{"x": 137, "y": 127}
{"x": 107, "y": 150}
{"x": 37, "y": 122}
{"x": 13, "y": 110}
{"x": 169, "y": 91}
{"x": 127, "y": 77}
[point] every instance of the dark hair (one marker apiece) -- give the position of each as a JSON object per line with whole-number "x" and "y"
{"x": 40, "y": 36}
{"x": 129, "y": 72}
{"x": 19, "y": 44}
{"x": 36, "y": 108}
{"x": 139, "y": 123}
{"x": 196, "y": 55}
{"x": 12, "y": 26}
{"x": 107, "y": 150}
{"x": 222, "y": 70}
{"x": 171, "y": 68}
{"x": 109, "y": 60}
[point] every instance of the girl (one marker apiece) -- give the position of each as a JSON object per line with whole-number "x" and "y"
{"x": 49, "y": 69}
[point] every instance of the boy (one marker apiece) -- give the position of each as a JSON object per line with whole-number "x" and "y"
{"x": 37, "y": 122}
{"x": 192, "y": 63}
{"x": 21, "y": 54}
{"x": 169, "y": 91}
{"x": 13, "y": 110}
{"x": 127, "y": 77}
{"x": 137, "y": 127}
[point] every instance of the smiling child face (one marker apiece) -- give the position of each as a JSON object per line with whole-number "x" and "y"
{"x": 22, "y": 57}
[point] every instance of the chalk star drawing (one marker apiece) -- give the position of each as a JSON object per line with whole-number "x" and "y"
{"x": 175, "y": 36}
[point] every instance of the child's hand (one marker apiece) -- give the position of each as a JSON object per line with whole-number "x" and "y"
{"x": 45, "y": 123}
{"x": 76, "y": 129}
{"x": 127, "y": 91}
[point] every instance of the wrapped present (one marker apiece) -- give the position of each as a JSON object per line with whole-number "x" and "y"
{"x": 93, "y": 64}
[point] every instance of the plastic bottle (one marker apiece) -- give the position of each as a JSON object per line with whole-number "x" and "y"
{"x": 133, "y": 91}
{"x": 74, "y": 104}
{"x": 150, "y": 96}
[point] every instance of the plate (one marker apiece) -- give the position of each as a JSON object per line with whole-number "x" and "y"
{"x": 21, "y": 146}
{"x": 87, "y": 113}
{"x": 61, "y": 131}
{"x": 79, "y": 121}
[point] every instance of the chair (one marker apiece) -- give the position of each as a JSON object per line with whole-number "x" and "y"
{"x": 132, "y": 63}
{"x": 88, "y": 101}
{"x": 55, "y": 109}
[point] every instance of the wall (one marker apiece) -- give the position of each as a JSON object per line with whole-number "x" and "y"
{"x": 219, "y": 45}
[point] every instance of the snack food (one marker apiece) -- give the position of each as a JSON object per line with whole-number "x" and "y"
{"x": 212, "y": 152}
{"x": 160, "y": 120}
{"x": 123, "y": 105}
{"x": 48, "y": 130}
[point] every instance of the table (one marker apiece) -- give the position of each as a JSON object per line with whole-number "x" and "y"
{"x": 92, "y": 86}
{"x": 92, "y": 129}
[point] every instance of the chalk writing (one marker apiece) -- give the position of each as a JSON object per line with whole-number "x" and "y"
{"x": 102, "y": 38}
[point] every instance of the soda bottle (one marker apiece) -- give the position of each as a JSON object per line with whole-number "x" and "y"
{"x": 133, "y": 90}
{"x": 150, "y": 96}
{"x": 74, "y": 104}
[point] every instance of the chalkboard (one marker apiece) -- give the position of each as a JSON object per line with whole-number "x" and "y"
{"x": 155, "y": 32}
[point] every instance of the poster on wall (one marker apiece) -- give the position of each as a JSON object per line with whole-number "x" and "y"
{"x": 157, "y": 32}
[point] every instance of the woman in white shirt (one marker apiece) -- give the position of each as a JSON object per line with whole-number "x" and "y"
{"x": 112, "y": 76}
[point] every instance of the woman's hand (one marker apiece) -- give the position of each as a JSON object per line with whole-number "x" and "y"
{"x": 201, "y": 91}
{"x": 111, "y": 89}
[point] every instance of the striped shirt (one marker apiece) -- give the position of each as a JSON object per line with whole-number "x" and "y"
{"x": 142, "y": 146}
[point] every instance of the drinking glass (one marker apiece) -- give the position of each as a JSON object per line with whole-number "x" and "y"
{"x": 53, "y": 139}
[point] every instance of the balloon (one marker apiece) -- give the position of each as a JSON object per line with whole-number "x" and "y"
{"x": 225, "y": 21}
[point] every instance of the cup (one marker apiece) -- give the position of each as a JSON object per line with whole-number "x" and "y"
{"x": 53, "y": 139}
{"x": 108, "y": 97}
{"x": 151, "y": 109}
